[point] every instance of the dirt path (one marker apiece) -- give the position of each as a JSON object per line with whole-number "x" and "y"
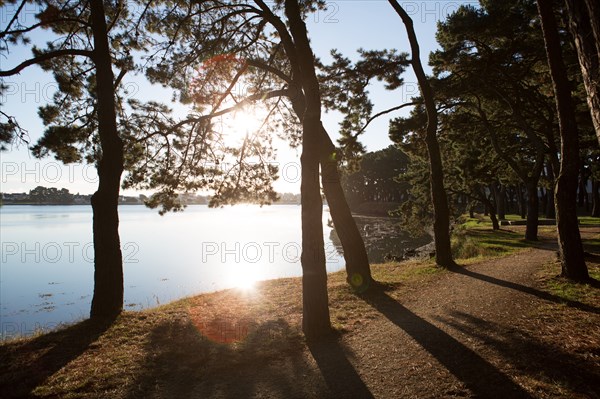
{"x": 455, "y": 334}
{"x": 467, "y": 334}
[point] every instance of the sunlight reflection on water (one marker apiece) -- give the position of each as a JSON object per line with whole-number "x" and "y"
{"x": 46, "y": 269}
{"x": 46, "y": 274}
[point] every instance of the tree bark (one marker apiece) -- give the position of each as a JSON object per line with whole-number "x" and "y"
{"x": 533, "y": 208}
{"x": 107, "y": 301}
{"x": 500, "y": 199}
{"x": 569, "y": 240}
{"x": 493, "y": 218}
{"x": 584, "y": 25}
{"x": 358, "y": 270}
{"x": 315, "y": 320}
{"x": 521, "y": 201}
{"x": 355, "y": 253}
{"x": 441, "y": 211}
{"x": 551, "y": 206}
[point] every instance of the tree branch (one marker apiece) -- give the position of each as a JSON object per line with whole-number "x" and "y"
{"x": 387, "y": 111}
{"x": 45, "y": 57}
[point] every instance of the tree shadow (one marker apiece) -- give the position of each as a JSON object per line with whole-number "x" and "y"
{"x": 478, "y": 375}
{"x": 27, "y": 364}
{"x": 339, "y": 374}
{"x": 528, "y": 355}
{"x": 264, "y": 360}
{"x": 527, "y": 290}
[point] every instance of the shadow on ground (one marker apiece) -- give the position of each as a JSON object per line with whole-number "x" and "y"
{"x": 527, "y": 354}
{"x": 339, "y": 374}
{"x": 27, "y": 364}
{"x": 479, "y": 376}
{"x": 269, "y": 361}
{"x": 528, "y": 290}
{"x": 183, "y": 362}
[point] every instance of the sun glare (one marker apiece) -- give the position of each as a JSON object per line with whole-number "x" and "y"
{"x": 244, "y": 279}
{"x": 243, "y": 122}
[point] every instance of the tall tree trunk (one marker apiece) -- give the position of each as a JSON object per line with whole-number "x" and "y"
{"x": 499, "y": 199}
{"x": 551, "y": 208}
{"x": 596, "y": 198}
{"x": 107, "y": 301}
{"x": 521, "y": 201}
{"x": 490, "y": 207}
{"x": 533, "y": 208}
{"x": 569, "y": 239}
{"x": 315, "y": 320}
{"x": 441, "y": 211}
{"x": 584, "y": 17}
{"x": 543, "y": 194}
{"x": 495, "y": 223}
{"x": 355, "y": 253}
{"x": 358, "y": 270}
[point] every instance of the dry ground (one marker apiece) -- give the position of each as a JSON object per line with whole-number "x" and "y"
{"x": 500, "y": 328}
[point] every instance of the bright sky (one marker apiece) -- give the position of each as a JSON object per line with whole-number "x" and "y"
{"x": 347, "y": 25}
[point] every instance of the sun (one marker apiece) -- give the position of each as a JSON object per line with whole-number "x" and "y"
{"x": 243, "y": 122}
{"x": 244, "y": 278}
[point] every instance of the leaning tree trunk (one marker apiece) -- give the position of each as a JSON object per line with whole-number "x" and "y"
{"x": 107, "y": 301}
{"x": 584, "y": 25}
{"x": 358, "y": 269}
{"x": 441, "y": 211}
{"x": 533, "y": 207}
{"x": 315, "y": 320}
{"x": 493, "y": 217}
{"x": 490, "y": 209}
{"x": 569, "y": 239}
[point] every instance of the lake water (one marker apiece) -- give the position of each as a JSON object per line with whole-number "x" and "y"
{"x": 46, "y": 265}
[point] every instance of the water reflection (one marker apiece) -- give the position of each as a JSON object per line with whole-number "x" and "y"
{"x": 47, "y": 255}
{"x": 384, "y": 239}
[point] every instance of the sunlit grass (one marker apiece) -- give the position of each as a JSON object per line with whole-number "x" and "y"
{"x": 589, "y": 221}
{"x": 475, "y": 240}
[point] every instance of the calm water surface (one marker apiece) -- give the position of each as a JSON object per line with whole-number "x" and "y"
{"x": 46, "y": 265}
{"x": 46, "y": 270}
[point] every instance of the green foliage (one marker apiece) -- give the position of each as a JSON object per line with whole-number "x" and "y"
{"x": 376, "y": 180}
{"x": 344, "y": 87}
{"x": 51, "y": 195}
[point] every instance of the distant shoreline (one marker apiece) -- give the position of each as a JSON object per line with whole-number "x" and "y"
{"x": 120, "y": 203}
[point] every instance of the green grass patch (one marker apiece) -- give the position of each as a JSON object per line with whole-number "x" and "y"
{"x": 592, "y": 244}
{"x": 588, "y": 221}
{"x": 479, "y": 242}
{"x": 481, "y": 221}
{"x": 576, "y": 292}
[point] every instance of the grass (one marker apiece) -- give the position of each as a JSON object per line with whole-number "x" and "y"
{"x": 484, "y": 221}
{"x": 573, "y": 291}
{"x": 473, "y": 239}
{"x": 589, "y": 221}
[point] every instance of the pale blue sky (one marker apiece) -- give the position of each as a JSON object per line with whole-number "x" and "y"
{"x": 347, "y": 25}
